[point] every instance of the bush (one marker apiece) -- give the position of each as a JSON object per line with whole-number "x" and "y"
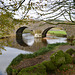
{"x": 9, "y": 70}
{"x": 49, "y": 66}
{"x": 70, "y": 51}
{"x": 58, "y": 58}
{"x": 74, "y": 42}
{"x": 64, "y": 67}
{"x": 73, "y": 58}
{"x": 17, "y": 59}
{"x": 38, "y": 69}
{"x": 20, "y": 57}
{"x": 14, "y": 72}
{"x": 68, "y": 58}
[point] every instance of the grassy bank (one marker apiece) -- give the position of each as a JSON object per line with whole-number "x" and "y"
{"x": 20, "y": 57}
{"x": 57, "y": 33}
{"x": 28, "y": 31}
{"x": 59, "y": 62}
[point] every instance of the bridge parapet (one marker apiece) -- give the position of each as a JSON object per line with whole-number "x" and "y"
{"x": 42, "y": 26}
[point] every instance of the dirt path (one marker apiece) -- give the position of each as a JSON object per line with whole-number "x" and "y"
{"x": 33, "y": 61}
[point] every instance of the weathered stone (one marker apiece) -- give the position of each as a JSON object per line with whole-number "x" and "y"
{"x": 44, "y": 27}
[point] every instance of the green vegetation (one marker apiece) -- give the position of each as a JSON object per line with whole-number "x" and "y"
{"x": 64, "y": 67}
{"x": 35, "y": 54}
{"x": 23, "y": 56}
{"x": 59, "y": 22}
{"x": 74, "y": 58}
{"x": 39, "y": 69}
{"x": 28, "y": 31}
{"x": 59, "y": 58}
{"x": 73, "y": 42}
{"x": 70, "y": 51}
{"x": 6, "y": 23}
{"x": 57, "y": 61}
{"x": 49, "y": 66}
{"x": 57, "y": 33}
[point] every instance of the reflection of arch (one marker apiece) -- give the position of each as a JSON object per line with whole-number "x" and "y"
{"x": 19, "y": 38}
{"x": 45, "y": 31}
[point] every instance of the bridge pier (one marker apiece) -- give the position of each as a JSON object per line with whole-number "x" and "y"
{"x": 37, "y": 35}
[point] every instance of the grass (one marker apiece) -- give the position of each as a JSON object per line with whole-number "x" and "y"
{"x": 35, "y": 54}
{"x": 49, "y": 66}
{"x": 57, "y": 33}
{"x": 28, "y": 31}
{"x": 38, "y": 69}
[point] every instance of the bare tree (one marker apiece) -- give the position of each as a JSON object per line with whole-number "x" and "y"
{"x": 54, "y": 9}
{"x": 45, "y": 9}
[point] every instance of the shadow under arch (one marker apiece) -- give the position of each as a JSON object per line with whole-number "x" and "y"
{"x": 19, "y": 38}
{"x": 45, "y": 31}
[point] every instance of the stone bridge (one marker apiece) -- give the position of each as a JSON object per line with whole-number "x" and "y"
{"x": 43, "y": 27}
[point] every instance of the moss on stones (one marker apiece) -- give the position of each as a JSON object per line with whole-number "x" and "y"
{"x": 58, "y": 58}
{"x": 38, "y": 69}
{"x": 68, "y": 58}
{"x": 49, "y": 66}
{"x": 64, "y": 67}
{"x": 70, "y": 51}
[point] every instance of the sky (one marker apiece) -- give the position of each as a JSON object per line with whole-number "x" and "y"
{"x": 32, "y": 13}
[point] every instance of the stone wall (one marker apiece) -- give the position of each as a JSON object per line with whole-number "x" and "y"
{"x": 70, "y": 30}
{"x": 41, "y": 26}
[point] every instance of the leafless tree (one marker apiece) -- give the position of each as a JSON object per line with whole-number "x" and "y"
{"x": 45, "y": 9}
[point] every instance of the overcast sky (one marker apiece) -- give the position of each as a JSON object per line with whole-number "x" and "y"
{"x": 32, "y": 13}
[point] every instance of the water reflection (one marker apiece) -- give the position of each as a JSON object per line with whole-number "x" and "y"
{"x": 7, "y": 56}
{"x": 28, "y": 39}
{"x": 20, "y": 40}
{"x": 34, "y": 44}
{"x": 25, "y": 44}
{"x": 57, "y": 40}
{"x": 30, "y": 43}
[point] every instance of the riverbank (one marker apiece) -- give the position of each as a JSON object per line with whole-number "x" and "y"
{"x": 14, "y": 68}
{"x": 60, "y": 33}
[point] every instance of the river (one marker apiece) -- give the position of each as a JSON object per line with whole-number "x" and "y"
{"x": 12, "y": 48}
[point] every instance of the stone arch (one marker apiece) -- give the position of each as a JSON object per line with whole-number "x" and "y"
{"x": 19, "y": 38}
{"x": 47, "y": 29}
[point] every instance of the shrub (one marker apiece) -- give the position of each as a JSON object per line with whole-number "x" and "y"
{"x": 74, "y": 42}
{"x": 14, "y": 72}
{"x": 58, "y": 58}
{"x": 49, "y": 66}
{"x": 73, "y": 58}
{"x": 68, "y": 58}
{"x": 41, "y": 51}
{"x": 70, "y": 51}
{"x": 20, "y": 57}
{"x": 64, "y": 67}
{"x": 9, "y": 70}
{"x": 38, "y": 69}
{"x": 17, "y": 59}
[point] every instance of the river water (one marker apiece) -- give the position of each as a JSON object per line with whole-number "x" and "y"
{"x": 12, "y": 48}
